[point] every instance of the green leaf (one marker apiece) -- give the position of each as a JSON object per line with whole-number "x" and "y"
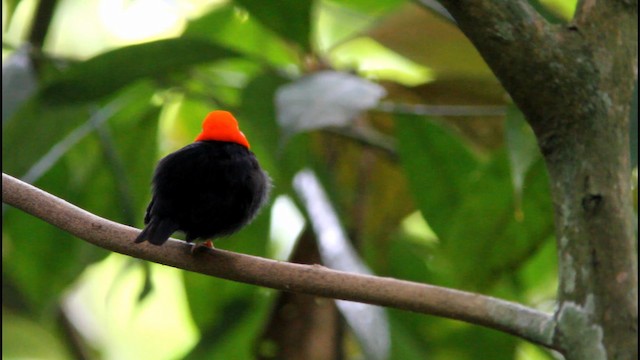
{"x": 232, "y": 314}
{"x": 555, "y": 11}
{"x": 471, "y": 207}
{"x": 258, "y": 115}
{"x": 438, "y": 167}
{"x": 110, "y": 71}
{"x": 405, "y": 344}
{"x": 539, "y": 277}
{"x": 26, "y": 339}
{"x": 487, "y": 239}
{"x": 227, "y": 24}
{"x": 130, "y": 167}
{"x": 41, "y": 260}
{"x": 9, "y": 7}
{"x": 33, "y": 131}
{"x": 367, "y": 6}
{"x": 291, "y": 19}
{"x": 82, "y": 175}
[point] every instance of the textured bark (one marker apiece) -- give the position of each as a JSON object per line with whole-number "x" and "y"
{"x": 574, "y": 84}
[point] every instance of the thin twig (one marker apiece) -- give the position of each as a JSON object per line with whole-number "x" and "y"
{"x": 57, "y": 151}
{"x": 442, "y": 110}
{"x": 512, "y": 318}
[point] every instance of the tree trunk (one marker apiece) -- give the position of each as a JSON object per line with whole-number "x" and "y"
{"x": 574, "y": 84}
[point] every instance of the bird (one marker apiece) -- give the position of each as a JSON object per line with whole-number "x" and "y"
{"x": 208, "y": 189}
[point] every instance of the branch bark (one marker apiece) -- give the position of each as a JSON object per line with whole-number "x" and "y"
{"x": 505, "y": 316}
{"x": 574, "y": 83}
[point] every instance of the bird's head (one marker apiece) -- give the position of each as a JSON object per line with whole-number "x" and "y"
{"x": 222, "y": 126}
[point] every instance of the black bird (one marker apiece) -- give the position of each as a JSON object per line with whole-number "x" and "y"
{"x": 208, "y": 189}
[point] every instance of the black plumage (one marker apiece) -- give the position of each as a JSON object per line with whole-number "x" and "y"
{"x": 207, "y": 190}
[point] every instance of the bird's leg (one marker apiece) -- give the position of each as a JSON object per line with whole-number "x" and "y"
{"x": 197, "y": 247}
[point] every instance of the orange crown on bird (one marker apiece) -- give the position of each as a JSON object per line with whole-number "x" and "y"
{"x": 220, "y": 125}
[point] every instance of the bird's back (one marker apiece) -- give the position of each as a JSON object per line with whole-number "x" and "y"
{"x": 209, "y": 189}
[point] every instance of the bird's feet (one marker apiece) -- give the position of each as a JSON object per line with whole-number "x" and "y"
{"x": 199, "y": 246}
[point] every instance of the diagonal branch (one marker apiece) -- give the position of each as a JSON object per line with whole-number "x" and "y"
{"x": 512, "y": 318}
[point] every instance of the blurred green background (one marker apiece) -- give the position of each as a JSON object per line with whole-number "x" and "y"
{"x": 433, "y": 173}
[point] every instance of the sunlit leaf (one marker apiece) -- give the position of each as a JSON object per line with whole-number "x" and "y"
{"x": 539, "y": 277}
{"x": 441, "y": 46}
{"x": 23, "y": 338}
{"x": 105, "y": 309}
{"x": 227, "y": 24}
{"x": 555, "y": 11}
{"x": 373, "y": 60}
{"x": 294, "y": 23}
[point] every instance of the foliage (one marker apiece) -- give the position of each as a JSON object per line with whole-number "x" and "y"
{"x": 458, "y": 198}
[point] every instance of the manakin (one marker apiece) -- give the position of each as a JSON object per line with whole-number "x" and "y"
{"x": 208, "y": 189}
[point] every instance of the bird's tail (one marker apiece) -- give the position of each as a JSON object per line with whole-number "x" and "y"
{"x": 157, "y": 231}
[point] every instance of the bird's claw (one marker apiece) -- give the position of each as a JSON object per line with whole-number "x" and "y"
{"x": 198, "y": 247}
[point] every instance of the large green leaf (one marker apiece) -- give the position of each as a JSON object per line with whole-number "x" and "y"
{"x": 39, "y": 259}
{"x": 291, "y": 19}
{"x": 82, "y": 175}
{"x": 228, "y": 26}
{"x": 487, "y": 237}
{"x": 110, "y": 71}
{"x": 438, "y": 166}
{"x": 134, "y": 156}
{"x": 34, "y": 130}
{"x": 471, "y": 206}
{"x": 24, "y": 338}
